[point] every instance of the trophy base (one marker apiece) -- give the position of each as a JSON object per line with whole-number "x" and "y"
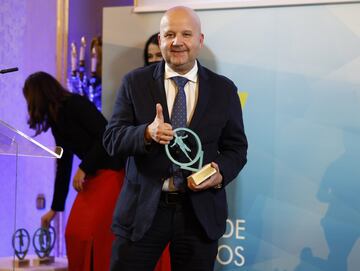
{"x": 204, "y": 173}
{"x": 43, "y": 261}
{"x": 21, "y": 263}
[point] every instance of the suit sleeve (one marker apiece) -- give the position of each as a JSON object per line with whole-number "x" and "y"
{"x": 233, "y": 142}
{"x": 122, "y": 135}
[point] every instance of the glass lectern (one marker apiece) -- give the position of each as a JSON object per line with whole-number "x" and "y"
{"x": 14, "y": 144}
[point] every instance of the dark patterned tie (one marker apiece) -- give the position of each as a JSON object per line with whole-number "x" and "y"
{"x": 178, "y": 119}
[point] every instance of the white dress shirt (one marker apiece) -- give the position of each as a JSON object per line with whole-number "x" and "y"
{"x": 191, "y": 91}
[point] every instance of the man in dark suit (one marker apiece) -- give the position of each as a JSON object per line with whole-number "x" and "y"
{"x": 154, "y": 208}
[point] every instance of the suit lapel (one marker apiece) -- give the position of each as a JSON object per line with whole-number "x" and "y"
{"x": 158, "y": 89}
{"x": 159, "y": 95}
{"x": 203, "y": 97}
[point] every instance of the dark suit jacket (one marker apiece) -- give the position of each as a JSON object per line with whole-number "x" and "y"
{"x": 217, "y": 120}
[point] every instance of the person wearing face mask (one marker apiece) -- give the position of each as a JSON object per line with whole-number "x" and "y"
{"x": 158, "y": 204}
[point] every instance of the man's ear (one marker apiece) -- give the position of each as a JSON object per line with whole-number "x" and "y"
{"x": 201, "y": 40}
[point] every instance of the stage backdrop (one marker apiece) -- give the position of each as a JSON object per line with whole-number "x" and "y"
{"x": 296, "y": 204}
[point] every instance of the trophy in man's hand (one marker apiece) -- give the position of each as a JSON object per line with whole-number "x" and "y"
{"x": 186, "y": 151}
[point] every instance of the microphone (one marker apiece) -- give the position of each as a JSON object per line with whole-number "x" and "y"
{"x": 9, "y": 70}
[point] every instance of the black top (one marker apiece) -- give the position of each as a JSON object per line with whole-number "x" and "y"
{"x": 79, "y": 130}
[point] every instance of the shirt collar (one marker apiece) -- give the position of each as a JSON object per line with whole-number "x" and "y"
{"x": 190, "y": 75}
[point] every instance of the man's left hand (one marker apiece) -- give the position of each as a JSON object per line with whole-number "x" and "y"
{"x": 215, "y": 181}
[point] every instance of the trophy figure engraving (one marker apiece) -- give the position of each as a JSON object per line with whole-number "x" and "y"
{"x": 20, "y": 244}
{"x": 43, "y": 242}
{"x": 184, "y": 140}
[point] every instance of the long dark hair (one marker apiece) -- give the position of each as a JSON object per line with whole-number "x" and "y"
{"x": 43, "y": 94}
{"x": 152, "y": 40}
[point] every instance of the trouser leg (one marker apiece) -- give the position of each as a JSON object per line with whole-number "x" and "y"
{"x": 143, "y": 255}
{"x": 190, "y": 249}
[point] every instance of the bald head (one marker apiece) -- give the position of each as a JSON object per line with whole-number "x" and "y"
{"x": 178, "y": 12}
{"x": 180, "y": 38}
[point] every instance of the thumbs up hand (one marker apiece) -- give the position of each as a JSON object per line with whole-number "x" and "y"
{"x": 159, "y": 131}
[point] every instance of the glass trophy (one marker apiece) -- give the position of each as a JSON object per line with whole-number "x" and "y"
{"x": 186, "y": 152}
{"x": 43, "y": 242}
{"x": 20, "y": 244}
